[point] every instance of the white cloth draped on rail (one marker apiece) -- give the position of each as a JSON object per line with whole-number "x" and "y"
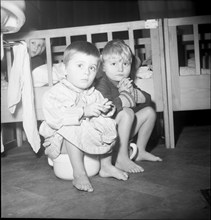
{"x": 20, "y": 86}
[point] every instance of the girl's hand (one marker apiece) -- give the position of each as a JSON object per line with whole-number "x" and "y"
{"x": 47, "y": 142}
{"x": 111, "y": 110}
{"x": 107, "y": 107}
{"x": 125, "y": 84}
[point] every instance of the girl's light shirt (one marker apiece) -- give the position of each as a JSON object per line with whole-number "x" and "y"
{"x": 63, "y": 109}
{"x": 63, "y": 104}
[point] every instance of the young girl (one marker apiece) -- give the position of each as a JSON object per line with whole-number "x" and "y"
{"x": 134, "y": 113}
{"x": 77, "y": 117}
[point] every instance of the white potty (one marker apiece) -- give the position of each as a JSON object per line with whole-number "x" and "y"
{"x": 63, "y": 168}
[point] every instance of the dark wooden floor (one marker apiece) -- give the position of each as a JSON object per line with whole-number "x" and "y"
{"x": 166, "y": 190}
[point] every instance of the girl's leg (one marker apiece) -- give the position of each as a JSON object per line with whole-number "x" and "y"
{"x": 124, "y": 121}
{"x": 145, "y": 121}
{"x": 108, "y": 170}
{"x": 80, "y": 178}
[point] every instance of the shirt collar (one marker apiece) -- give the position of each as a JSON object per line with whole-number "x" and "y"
{"x": 70, "y": 86}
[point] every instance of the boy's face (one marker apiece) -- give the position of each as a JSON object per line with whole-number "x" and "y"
{"x": 116, "y": 68}
{"x": 36, "y": 47}
{"x": 81, "y": 70}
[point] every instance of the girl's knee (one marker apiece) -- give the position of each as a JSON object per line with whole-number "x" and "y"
{"x": 125, "y": 115}
{"x": 151, "y": 113}
{"x": 148, "y": 113}
{"x": 128, "y": 113}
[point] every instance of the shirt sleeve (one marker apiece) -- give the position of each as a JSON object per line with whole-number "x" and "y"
{"x": 141, "y": 96}
{"x": 59, "y": 110}
{"x": 103, "y": 86}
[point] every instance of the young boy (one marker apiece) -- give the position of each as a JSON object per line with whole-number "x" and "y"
{"x": 78, "y": 118}
{"x": 134, "y": 113}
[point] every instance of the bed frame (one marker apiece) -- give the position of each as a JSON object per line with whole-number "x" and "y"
{"x": 187, "y": 92}
{"x": 144, "y": 37}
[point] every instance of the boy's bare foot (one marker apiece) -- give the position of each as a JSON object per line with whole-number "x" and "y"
{"x": 81, "y": 182}
{"x": 143, "y": 155}
{"x": 112, "y": 171}
{"x": 128, "y": 165}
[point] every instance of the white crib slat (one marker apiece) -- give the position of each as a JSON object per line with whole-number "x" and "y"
{"x": 109, "y": 34}
{"x": 67, "y": 40}
{"x": 19, "y": 134}
{"x": 89, "y": 37}
{"x": 148, "y": 50}
{"x": 196, "y": 48}
{"x": 169, "y": 84}
{"x": 49, "y": 61}
{"x": 9, "y": 60}
{"x": 169, "y": 138}
{"x": 131, "y": 40}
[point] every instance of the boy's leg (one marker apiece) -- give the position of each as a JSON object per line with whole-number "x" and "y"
{"x": 81, "y": 180}
{"x": 108, "y": 170}
{"x": 124, "y": 121}
{"x": 145, "y": 121}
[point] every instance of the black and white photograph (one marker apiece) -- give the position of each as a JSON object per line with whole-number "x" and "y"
{"x": 105, "y": 109}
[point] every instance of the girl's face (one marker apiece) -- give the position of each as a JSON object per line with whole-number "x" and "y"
{"x": 116, "y": 68}
{"x": 36, "y": 47}
{"x": 81, "y": 70}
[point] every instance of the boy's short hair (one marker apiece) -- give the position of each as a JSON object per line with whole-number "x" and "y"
{"x": 80, "y": 46}
{"x": 118, "y": 47}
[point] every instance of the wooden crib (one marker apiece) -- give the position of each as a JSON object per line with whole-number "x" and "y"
{"x": 144, "y": 37}
{"x": 188, "y": 62}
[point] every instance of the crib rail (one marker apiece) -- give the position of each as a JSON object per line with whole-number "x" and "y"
{"x": 144, "y": 38}
{"x": 104, "y": 32}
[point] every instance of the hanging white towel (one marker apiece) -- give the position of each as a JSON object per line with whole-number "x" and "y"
{"x": 20, "y": 86}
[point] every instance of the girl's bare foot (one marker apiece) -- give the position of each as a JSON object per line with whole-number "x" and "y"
{"x": 143, "y": 155}
{"x": 81, "y": 182}
{"x": 112, "y": 171}
{"x": 128, "y": 165}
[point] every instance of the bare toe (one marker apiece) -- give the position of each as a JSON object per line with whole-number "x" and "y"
{"x": 128, "y": 165}
{"x": 136, "y": 169}
{"x": 112, "y": 171}
{"x": 147, "y": 156}
{"x": 82, "y": 183}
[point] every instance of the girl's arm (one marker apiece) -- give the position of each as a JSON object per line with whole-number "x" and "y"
{"x": 60, "y": 110}
{"x": 103, "y": 87}
{"x": 141, "y": 96}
